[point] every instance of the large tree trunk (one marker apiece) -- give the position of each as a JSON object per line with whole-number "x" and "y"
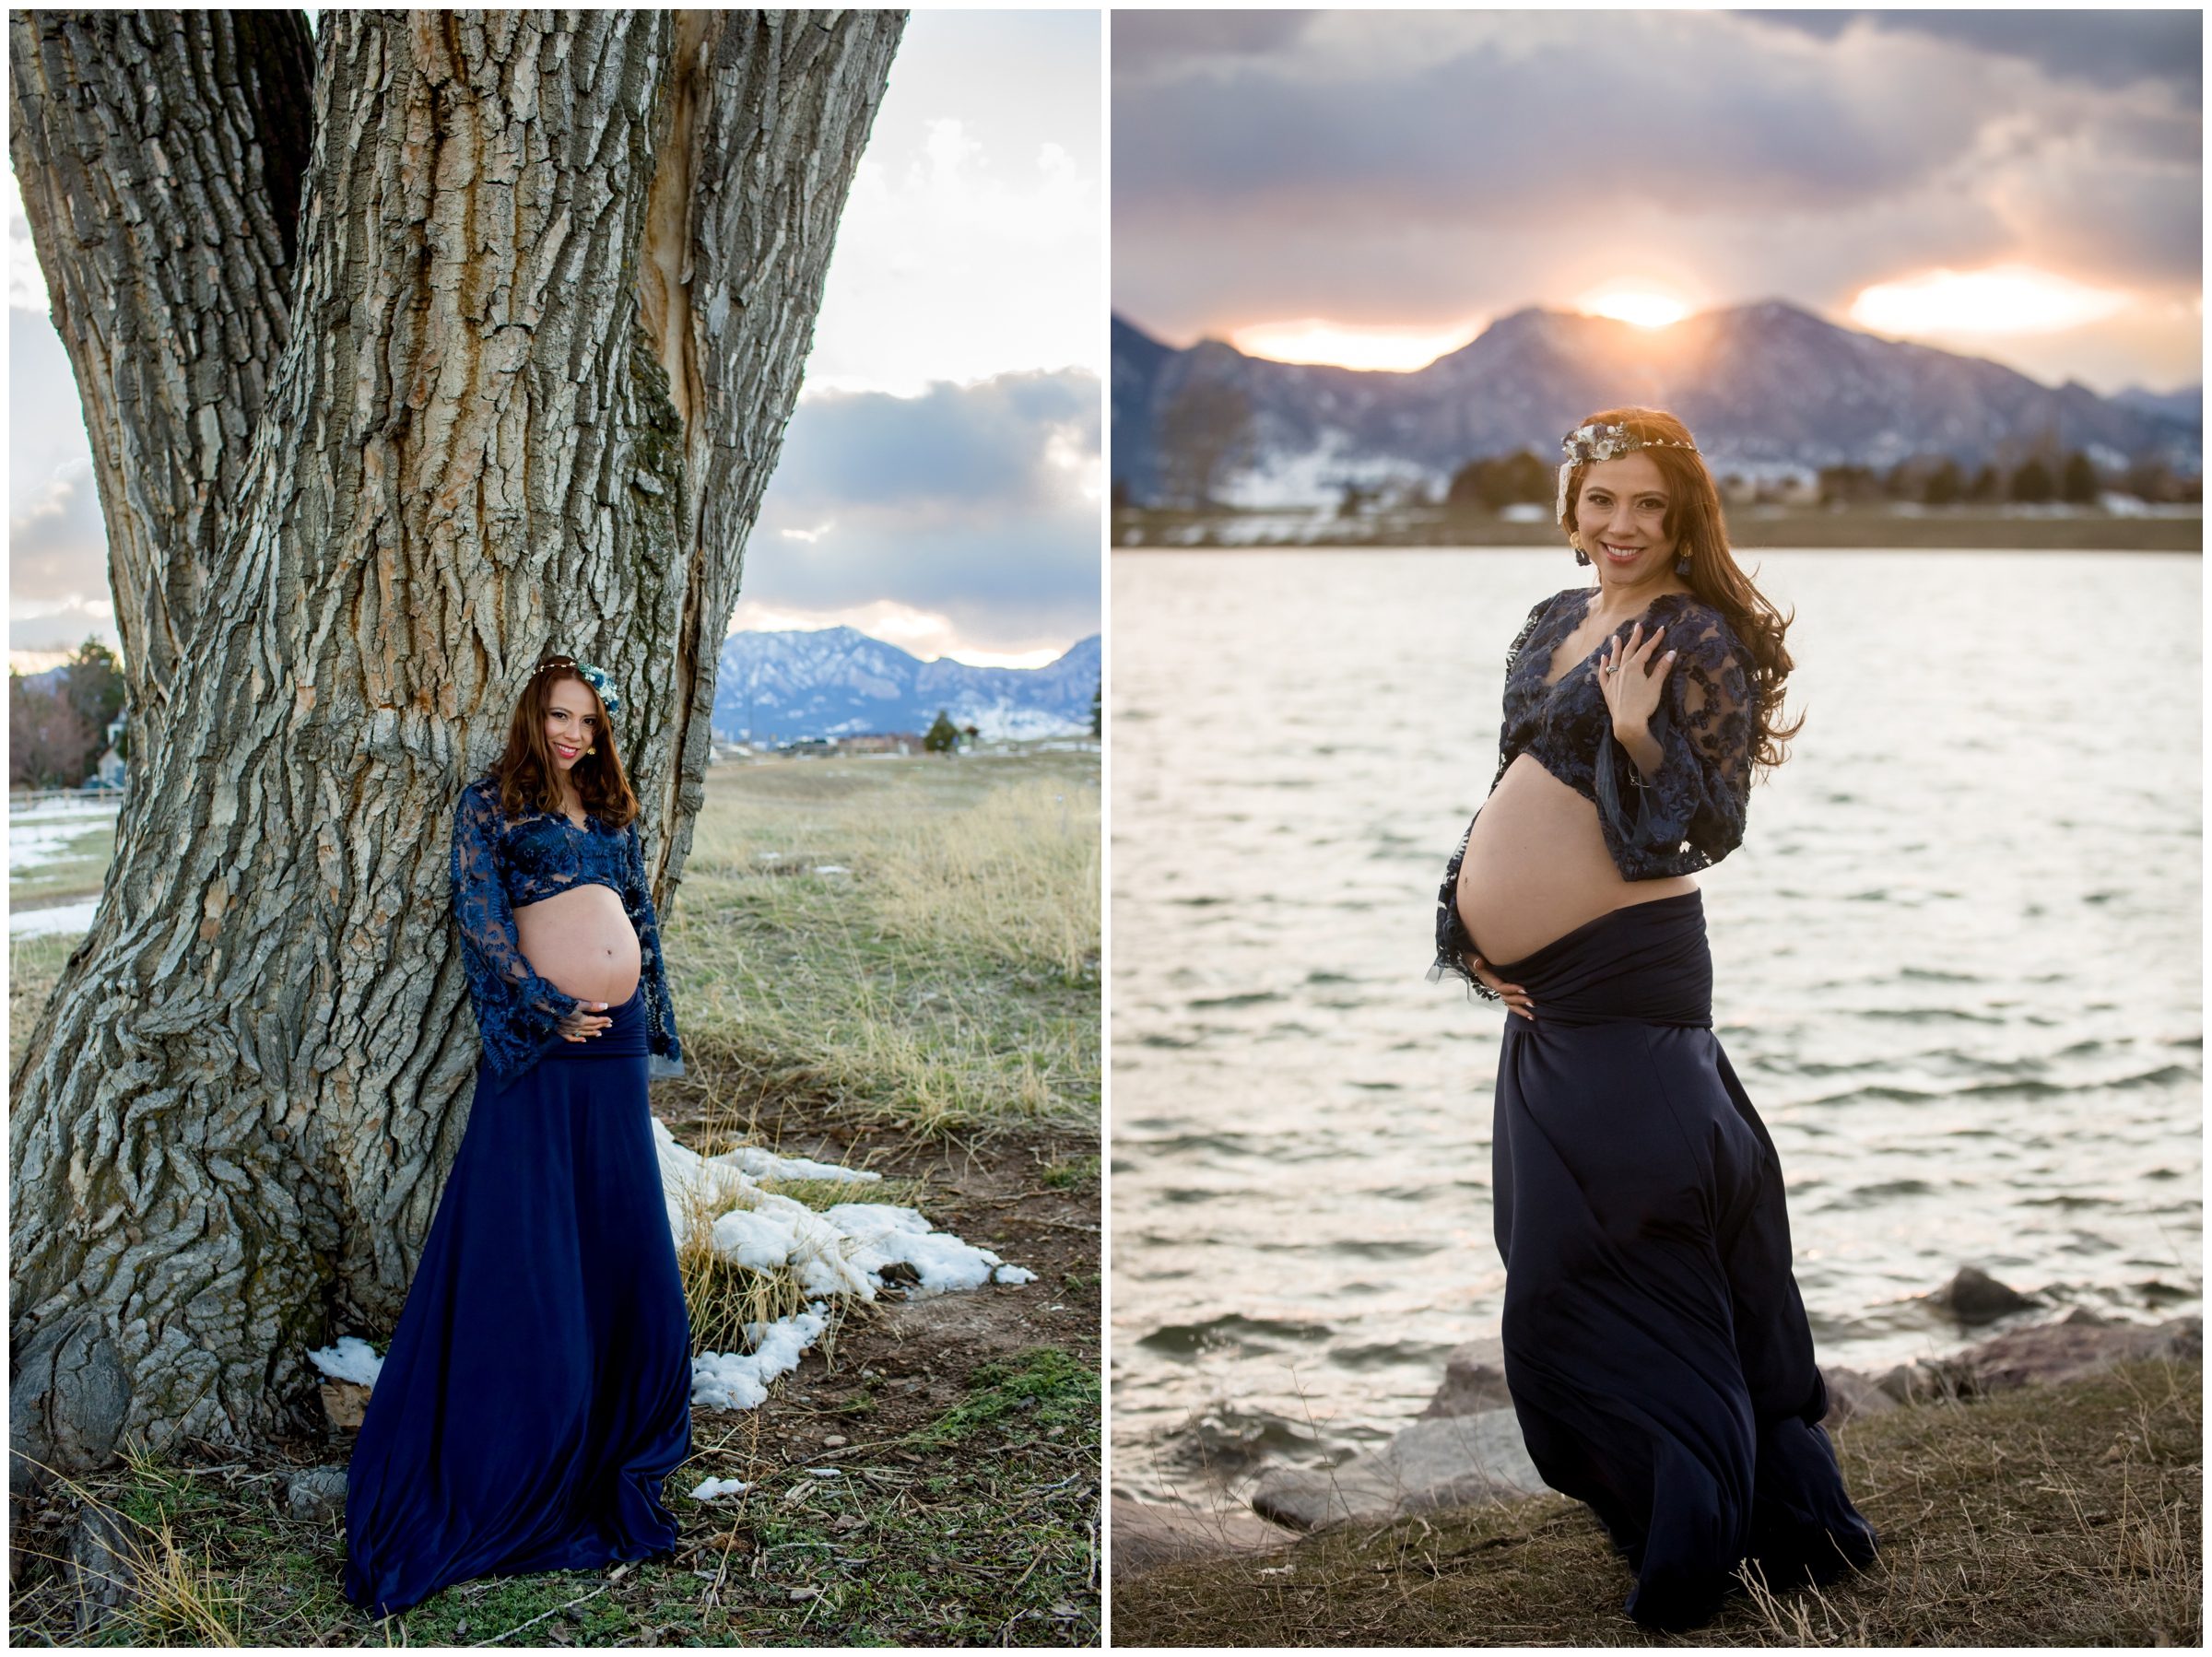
{"x": 554, "y": 284}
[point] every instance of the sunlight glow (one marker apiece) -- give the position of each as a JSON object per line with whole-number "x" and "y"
{"x": 2006, "y": 299}
{"x": 1352, "y": 346}
{"x": 1641, "y": 306}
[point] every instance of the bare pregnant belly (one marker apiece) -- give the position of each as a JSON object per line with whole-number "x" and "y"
{"x": 1536, "y": 867}
{"x": 581, "y": 942}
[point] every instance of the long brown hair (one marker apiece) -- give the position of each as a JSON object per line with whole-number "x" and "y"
{"x": 1700, "y": 531}
{"x": 527, "y": 777}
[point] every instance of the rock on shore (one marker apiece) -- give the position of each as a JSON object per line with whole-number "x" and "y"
{"x": 1144, "y": 1537}
{"x": 1445, "y": 1462}
{"x": 1465, "y": 1447}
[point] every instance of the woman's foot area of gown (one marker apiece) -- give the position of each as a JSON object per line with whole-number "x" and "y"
{"x": 1784, "y": 1558}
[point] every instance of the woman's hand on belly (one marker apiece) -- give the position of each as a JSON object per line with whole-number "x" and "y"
{"x": 581, "y": 942}
{"x": 1515, "y": 998}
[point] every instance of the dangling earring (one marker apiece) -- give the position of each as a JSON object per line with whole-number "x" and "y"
{"x": 589, "y": 752}
{"x": 1682, "y": 565}
{"x": 1579, "y": 556}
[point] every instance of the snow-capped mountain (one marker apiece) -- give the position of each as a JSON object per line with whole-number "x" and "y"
{"x": 839, "y": 682}
{"x": 1768, "y": 388}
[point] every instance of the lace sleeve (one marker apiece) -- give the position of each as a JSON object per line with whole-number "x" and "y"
{"x": 667, "y": 1057}
{"x": 1691, "y": 814}
{"x": 517, "y": 1012}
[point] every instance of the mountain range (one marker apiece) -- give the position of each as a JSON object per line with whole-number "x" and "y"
{"x": 839, "y": 682}
{"x": 1769, "y": 389}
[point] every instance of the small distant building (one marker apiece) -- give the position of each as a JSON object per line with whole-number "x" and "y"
{"x": 881, "y": 741}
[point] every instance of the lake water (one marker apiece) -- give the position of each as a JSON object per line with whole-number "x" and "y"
{"x": 1957, "y": 963}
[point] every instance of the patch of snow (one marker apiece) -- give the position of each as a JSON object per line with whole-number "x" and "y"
{"x": 66, "y": 917}
{"x": 738, "y": 1381}
{"x": 714, "y": 1490}
{"x": 351, "y": 1359}
{"x": 884, "y": 1235}
{"x": 841, "y": 1251}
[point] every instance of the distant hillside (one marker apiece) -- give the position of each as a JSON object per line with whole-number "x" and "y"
{"x": 1768, "y": 388}
{"x": 839, "y": 682}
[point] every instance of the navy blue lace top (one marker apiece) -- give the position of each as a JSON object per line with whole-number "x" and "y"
{"x": 501, "y": 865}
{"x": 1687, "y": 817}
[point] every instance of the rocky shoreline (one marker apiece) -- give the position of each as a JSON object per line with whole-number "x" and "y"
{"x": 1465, "y": 1447}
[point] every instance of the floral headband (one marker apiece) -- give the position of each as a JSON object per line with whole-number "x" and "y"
{"x": 1599, "y": 442}
{"x": 593, "y": 676}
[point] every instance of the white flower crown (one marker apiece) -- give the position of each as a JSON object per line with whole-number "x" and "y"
{"x": 1600, "y": 441}
{"x": 593, "y": 676}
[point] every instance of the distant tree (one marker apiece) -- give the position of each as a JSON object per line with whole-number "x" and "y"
{"x": 1121, "y": 493}
{"x": 943, "y": 737}
{"x": 2031, "y": 482}
{"x": 1985, "y": 487}
{"x": 1944, "y": 484}
{"x": 971, "y": 732}
{"x": 94, "y": 686}
{"x": 49, "y": 744}
{"x": 1848, "y": 483}
{"x": 2078, "y": 486}
{"x": 1356, "y": 500}
{"x": 2152, "y": 479}
{"x": 1098, "y": 710}
{"x": 1205, "y": 435}
{"x": 1503, "y": 480}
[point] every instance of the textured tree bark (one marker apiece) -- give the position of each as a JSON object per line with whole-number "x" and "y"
{"x": 159, "y": 157}
{"x": 555, "y": 286}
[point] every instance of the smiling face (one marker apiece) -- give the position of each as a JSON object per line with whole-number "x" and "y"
{"x": 1620, "y": 519}
{"x": 572, "y": 723}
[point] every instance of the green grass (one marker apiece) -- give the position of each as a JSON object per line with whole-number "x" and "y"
{"x": 943, "y": 976}
{"x": 1043, "y": 1390}
{"x": 2054, "y": 1515}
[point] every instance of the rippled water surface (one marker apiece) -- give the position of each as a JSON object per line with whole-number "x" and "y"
{"x": 1956, "y": 962}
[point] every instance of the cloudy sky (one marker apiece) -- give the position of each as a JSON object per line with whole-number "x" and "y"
{"x": 1375, "y": 187}
{"x": 940, "y": 485}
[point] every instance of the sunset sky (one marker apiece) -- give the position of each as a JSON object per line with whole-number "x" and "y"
{"x": 940, "y": 484}
{"x": 1373, "y": 188}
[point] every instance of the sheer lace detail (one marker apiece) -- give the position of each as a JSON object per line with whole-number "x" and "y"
{"x": 660, "y": 1013}
{"x": 502, "y": 863}
{"x": 1687, "y": 816}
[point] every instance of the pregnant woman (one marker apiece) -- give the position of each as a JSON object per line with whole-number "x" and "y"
{"x": 537, "y": 1391}
{"x": 1656, "y": 1346}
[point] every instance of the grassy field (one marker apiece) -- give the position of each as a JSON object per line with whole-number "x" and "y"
{"x": 2064, "y": 1515}
{"x": 969, "y": 1528}
{"x": 34, "y": 967}
{"x": 913, "y": 938}
{"x": 885, "y": 961}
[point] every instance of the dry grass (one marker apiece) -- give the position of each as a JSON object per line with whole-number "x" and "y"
{"x": 34, "y": 968}
{"x": 916, "y": 940}
{"x": 721, "y": 1298}
{"x": 2069, "y": 1515}
{"x": 169, "y": 1594}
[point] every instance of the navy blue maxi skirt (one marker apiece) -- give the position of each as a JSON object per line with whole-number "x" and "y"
{"x": 539, "y": 1387}
{"x": 1655, "y": 1345}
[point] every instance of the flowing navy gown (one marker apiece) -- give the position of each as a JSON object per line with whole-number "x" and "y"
{"x": 537, "y": 1390}
{"x": 1656, "y": 1348}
